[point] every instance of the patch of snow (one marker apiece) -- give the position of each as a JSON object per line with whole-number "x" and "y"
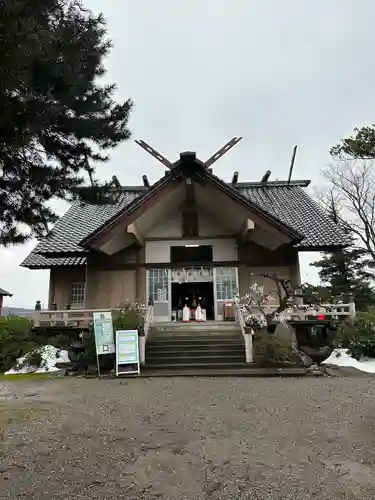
{"x": 340, "y": 357}
{"x": 50, "y": 356}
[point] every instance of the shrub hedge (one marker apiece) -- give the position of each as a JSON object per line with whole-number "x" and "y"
{"x": 15, "y": 340}
{"x": 271, "y": 349}
{"x": 358, "y": 335}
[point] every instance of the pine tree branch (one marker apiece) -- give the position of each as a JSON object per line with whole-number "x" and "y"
{"x": 55, "y": 116}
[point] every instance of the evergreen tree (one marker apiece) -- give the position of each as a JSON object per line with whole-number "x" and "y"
{"x": 56, "y": 116}
{"x": 347, "y": 272}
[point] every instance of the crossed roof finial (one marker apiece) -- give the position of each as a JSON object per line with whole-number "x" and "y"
{"x": 229, "y": 145}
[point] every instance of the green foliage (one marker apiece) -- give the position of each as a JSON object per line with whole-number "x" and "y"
{"x": 131, "y": 317}
{"x": 349, "y": 332}
{"x": 358, "y": 335}
{"x": 320, "y": 293}
{"x": 364, "y": 346}
{"x": 88, "y": 358}
{"x": 15, "y": 340}
{"x": 33, "y": 359}
{"x": 346, "y": 273}
{"x": 360, "y": 145}
{"x": 22, "y": 377}
{"x": 61, "y": 340}
{"x": 56, "y": 116}
{"x": 271, "y": 349}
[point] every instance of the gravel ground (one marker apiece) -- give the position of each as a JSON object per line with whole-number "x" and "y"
{"x": 224, "y": 438}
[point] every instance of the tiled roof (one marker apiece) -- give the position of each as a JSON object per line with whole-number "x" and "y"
{"x": 38, "y": 261}
{"x": 80, "y": 221}
{"x": 5, "y": 293}
{"x": 290, "y": 204}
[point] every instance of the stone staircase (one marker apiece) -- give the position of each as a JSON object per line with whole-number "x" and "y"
{"x": 194, "y": 347}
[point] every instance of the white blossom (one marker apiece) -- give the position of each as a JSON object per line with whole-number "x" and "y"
{"x": 255, "y": 306}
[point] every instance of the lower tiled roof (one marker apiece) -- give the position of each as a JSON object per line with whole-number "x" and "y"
{"x": 80, "y": 221}
{"x": 38, "y": 261}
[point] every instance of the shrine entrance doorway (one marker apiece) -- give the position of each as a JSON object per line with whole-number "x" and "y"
{"x": 169, "y": 288}
{"x": 193, "y": 294}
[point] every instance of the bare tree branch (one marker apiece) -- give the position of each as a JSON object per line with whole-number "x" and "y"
{"x": 352, "y": 187}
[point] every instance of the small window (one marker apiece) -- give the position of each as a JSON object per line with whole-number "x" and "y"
{"x": 191, "y": 254}
{"x": 77, "y": 295}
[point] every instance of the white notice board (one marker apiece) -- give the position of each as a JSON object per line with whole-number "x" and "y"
{"x": 127, "y": 352}
{"x": 103, "y": 329}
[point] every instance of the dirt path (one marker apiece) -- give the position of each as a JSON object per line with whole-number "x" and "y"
{"x": 188, "y": 438}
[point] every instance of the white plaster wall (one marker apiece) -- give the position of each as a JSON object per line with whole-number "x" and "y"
{"x": 210, "y": 227}
{"x": 223, "y": 249}
{"x": 171, "y": 227}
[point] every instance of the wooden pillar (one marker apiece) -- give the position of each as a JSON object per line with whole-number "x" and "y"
{"x": 140, "y": 278}
{"x": 295, "y": 277}
{"x": 51, "y": 289}
{"x": 1, "y": 305}
{"x": 243, "y": 279}
{"x": 90, "y": 286}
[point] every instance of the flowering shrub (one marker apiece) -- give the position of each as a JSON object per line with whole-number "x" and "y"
{"x": 256, "y": 306}
{"x": 253, "y": 305}
{"x": 131, "y": 316}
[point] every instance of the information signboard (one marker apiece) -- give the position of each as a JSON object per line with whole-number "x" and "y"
{"x": 103, "y": 328}
{"x": 127, "y": 352}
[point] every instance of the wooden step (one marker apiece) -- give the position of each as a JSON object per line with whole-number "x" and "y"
{"x": 200, "y": 335}
{"x": 155, "y": 348}
{"x": 176, "y": 327}
{"x": 248, "y": 371}
{"x": 186, "y": 357}
{"x": 195, "y": 364}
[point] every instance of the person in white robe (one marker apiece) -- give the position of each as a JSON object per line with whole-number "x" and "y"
{"x": 198, "y": 313}
{"x": 186, "y": 314}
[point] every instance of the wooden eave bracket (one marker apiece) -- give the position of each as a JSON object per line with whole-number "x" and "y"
{"x": 132, "y": 229}
{"x": 248, "y": 226}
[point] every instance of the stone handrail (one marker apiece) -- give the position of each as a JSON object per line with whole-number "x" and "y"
{"x": 248, "y": 337}
{"x": 149, "y": 319}
{"x": 67, "y": 317}
{"x": 302, "y": 311}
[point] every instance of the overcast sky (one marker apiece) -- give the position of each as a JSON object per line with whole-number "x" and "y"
{"x": 201, "y": 72}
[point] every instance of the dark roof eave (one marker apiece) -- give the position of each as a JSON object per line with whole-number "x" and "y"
{"x": 51, "y": 266}
{"x": 4, "y": 293}
{"x": 82, "y": 253}
{"x": 85, "y": 243}
{"x": 296, "y": 183}
{"x": 295, "y": 236}
{"x": 322, "y": 248}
